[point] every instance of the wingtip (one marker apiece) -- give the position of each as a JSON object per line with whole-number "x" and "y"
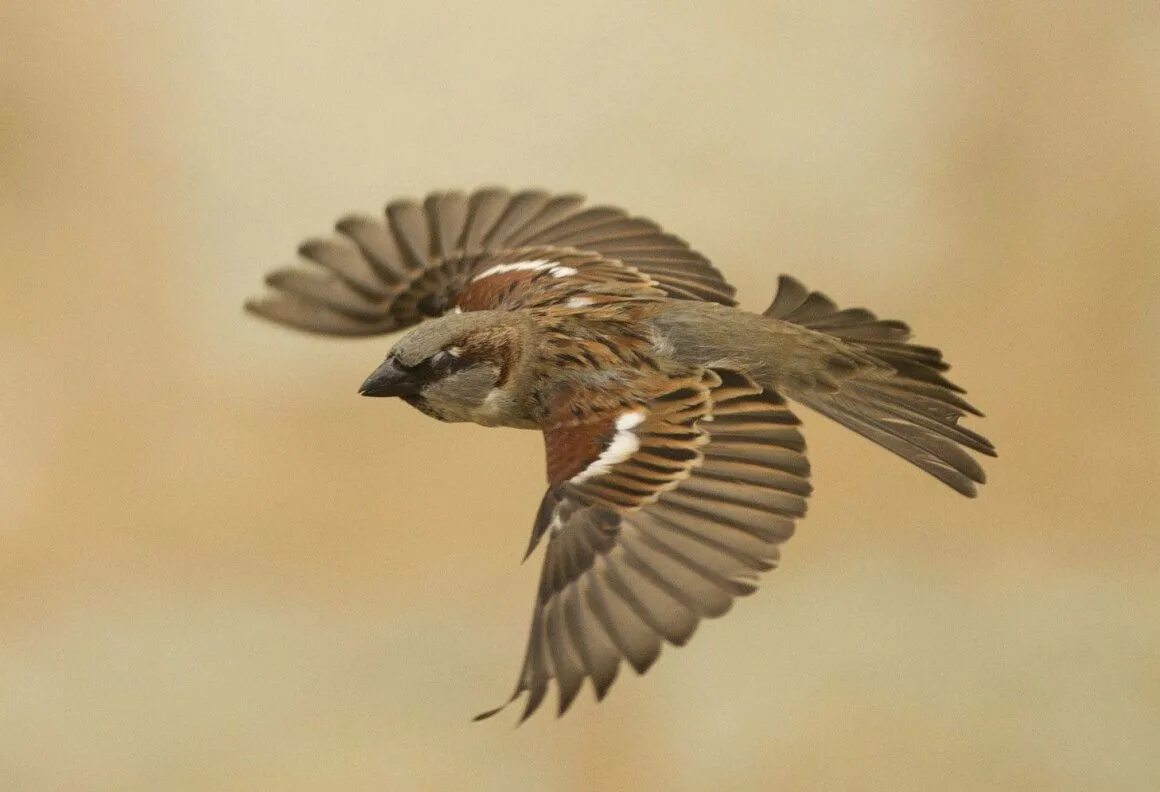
{"x": 265, "y": 308}
{"x": 489, "y": 713}
{"x": 253, "y": 307}
{"x": 485, "y": 715}
{"x": 967, "y": 489}
{"x": 567, "y": 699}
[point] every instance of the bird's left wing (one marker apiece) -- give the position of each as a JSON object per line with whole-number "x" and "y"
{"x": 379, "y": 275}
{"x": 657, "y": 515}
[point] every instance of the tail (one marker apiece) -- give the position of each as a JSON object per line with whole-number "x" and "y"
{"x": 885, "y": 389}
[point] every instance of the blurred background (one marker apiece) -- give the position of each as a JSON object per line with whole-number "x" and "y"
{"x": 221, "y": 569}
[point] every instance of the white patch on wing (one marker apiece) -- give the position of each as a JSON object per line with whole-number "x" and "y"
{"x": 578, "y": 302}
{"x": 556, "y": 525}
{"x": 624, "y": 444}
{"x": 500, "y": 269}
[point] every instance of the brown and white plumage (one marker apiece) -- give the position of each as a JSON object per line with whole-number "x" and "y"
{"x": 666, "y": 535}
{"x": 675, "y": 468}
{"x": 377, "y": 276}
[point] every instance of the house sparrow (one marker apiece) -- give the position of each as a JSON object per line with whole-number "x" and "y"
{"x": 675, "y": 467}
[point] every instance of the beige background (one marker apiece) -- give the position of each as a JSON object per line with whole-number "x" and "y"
{"x": 220, "y": 569}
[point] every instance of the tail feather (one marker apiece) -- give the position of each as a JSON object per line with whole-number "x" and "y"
{"x": 796, "y": 304}
{"x": 899, "y": 398}
{"x": 913, "y": 411}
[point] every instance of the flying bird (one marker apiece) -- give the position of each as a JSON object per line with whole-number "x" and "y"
{"x": 675, "y": 467}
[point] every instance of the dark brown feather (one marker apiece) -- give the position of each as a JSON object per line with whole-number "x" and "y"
{"x": 389, "y": 276}
{"x": 887, "y": 390}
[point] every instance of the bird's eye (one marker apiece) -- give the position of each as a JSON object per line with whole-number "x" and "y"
{"x": 447, "y": 359}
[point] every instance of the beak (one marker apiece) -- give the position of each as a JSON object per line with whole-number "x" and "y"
{"x": 390, "y": 380}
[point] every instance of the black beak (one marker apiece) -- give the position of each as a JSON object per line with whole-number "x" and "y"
{"x": 391, "y": 380}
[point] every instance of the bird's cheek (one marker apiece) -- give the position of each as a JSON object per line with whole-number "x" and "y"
{"x": 417, "y": 401}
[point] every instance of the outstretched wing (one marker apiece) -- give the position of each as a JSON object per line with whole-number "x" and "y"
{"x": 657, "y": 515}
{"x": 378, "y": 275}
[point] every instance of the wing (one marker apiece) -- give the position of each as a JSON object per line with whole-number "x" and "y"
{"x": 376, "y": 276}
{"x": 657, "y": 516}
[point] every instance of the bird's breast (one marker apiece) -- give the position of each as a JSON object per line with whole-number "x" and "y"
{"x": 499, "y": 408}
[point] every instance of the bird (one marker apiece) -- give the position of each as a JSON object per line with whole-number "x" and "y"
{"x": 675, "y": 466}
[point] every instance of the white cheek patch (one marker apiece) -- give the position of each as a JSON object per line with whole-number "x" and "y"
{"x": 539, "y": 265}
{"x": 624, "y": 444}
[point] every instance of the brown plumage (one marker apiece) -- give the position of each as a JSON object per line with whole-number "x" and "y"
{"x": 675, "y": 468}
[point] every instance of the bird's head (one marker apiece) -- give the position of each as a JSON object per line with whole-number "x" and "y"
{"x": 454, "y": 368}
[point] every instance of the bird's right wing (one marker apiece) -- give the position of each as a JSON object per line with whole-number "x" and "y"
{"x": 657, "y": 515}
{"x": 379, "y": 275}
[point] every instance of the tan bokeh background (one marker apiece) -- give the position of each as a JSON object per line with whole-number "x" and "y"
{"x": 220, "y": 569}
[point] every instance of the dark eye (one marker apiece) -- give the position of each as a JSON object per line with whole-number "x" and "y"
{"x": 447, "y": 360}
